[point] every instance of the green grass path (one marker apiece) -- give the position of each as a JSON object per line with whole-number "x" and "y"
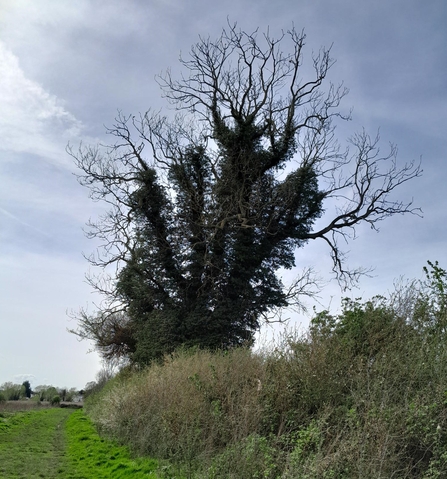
{"x": 32, "y": 444}
{"x": 60, "y": 443}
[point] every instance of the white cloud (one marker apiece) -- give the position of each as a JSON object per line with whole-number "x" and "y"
{"x": 32, "y": 120}
{"x": 21, "y": 378}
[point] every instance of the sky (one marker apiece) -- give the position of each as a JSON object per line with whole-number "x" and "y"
{"x": 67, "y": 67}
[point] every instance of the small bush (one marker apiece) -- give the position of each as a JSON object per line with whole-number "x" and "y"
{"x": 55, "y": 400}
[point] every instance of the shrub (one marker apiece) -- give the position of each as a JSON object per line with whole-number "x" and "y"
{"x": 253, "y": 457}
{"x": 361, "y": 395}
{"x": 189, "y": 407}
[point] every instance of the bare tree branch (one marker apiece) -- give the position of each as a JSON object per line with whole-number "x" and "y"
{"x": 206, "y": 207}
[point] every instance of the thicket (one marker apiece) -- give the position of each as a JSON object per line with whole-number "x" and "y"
{"x": 363, "y": 394}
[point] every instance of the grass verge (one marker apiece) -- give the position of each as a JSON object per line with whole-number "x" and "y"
{"x": 32, "y": 444}
{"x": 93, "y": 457}
{"x": 60, "y": 443}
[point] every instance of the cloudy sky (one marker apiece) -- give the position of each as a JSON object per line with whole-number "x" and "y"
{"x": 67, "y": 67}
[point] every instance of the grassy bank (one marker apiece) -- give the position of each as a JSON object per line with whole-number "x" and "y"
{"x": 60, "y": 443}
{"x": 360, "y": 395}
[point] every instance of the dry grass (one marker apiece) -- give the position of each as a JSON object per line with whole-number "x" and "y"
{"x": 17, "y": 406}
{"x": 188, "y": 407}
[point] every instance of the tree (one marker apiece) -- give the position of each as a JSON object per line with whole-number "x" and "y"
{"x": 206, "y": 207}
{"x": 27, "y": 387}
{"x": 11, "y": 391}
{"x": 45, "y": 392}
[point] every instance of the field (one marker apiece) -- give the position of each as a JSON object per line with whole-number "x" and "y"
{"x": 61, "y": 443}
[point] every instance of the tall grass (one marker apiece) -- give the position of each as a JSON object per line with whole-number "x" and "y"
{"x": 360, "y": 395}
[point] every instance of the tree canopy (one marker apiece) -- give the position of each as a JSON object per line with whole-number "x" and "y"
{"x": 208, "y": 204}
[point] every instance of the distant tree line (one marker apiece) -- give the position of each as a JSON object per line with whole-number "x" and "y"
{"x": 10, "y": 391}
